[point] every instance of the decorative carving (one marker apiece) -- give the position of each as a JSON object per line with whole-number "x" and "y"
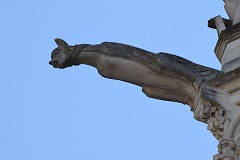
{"x": 213, "y": 116}
{"x": 227, "y": 150}
{"x": 216, "y": 124}
{"x": 232, "y": 8}
{"x": 162, "y": 76}
{"x": 168, "y": 77}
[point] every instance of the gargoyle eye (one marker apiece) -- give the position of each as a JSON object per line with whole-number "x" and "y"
{"x": 54, "y": 53}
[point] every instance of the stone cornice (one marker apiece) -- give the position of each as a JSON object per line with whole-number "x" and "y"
{"x": 228, "y": 35}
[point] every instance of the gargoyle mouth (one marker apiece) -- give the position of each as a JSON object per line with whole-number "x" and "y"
{"x": 50, "y": 62}
{"x": 65, "y": 64}
{"x": 55, "y": 64}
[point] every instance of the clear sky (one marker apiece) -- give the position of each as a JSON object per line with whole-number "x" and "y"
{"x": 75, "y": 114}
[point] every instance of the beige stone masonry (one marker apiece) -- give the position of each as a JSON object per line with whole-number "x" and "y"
{"x": 227, "y": 49}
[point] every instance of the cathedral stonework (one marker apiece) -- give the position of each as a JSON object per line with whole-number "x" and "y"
{"x": 213, "y": 95}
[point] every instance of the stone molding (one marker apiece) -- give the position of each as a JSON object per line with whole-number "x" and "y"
{"x": 228, "y": 35}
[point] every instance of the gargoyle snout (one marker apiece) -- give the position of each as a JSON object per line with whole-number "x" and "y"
{"x": 50, "y": 62}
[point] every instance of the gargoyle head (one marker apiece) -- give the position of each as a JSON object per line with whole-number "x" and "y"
{"x": 60, "y": 57}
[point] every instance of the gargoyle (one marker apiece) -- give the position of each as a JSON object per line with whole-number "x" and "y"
{"x": 213, "y": 95}
{"x": 162, "y": 76}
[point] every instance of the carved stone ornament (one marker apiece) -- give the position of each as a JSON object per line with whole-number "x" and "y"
{"x": 213, "y": 95}
{"x": 213, "y": 116}
{"x": 228, "y": 150}
{"x": 166, "y": 77}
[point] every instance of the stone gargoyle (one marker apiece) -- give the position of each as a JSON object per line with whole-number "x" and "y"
{"x": 213, "y": 95}
{"x": 162, "y": 76}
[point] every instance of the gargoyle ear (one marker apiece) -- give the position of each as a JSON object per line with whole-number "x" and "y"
{"x": 61, "y": 43}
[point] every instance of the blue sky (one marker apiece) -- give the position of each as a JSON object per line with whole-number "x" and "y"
{"x": 75, "y": 114}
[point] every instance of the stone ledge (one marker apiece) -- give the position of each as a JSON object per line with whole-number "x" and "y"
{"x": 228, "y": 35}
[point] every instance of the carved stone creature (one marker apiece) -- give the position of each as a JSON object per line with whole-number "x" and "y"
{"x": 162, "y": 76}
{"x": 214, "y": 96}
{"x": 166, "y": 77}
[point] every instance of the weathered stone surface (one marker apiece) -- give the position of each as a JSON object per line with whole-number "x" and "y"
{"x": 219, "y": 24}
{"x": 227, "y": 48}
{"x": 212, "y": 23}
{"x": 214, "y": 96}
{"x": 161, "y": 76}
{"x": 237, "y": 14}
{"x": 230, "y": 7}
